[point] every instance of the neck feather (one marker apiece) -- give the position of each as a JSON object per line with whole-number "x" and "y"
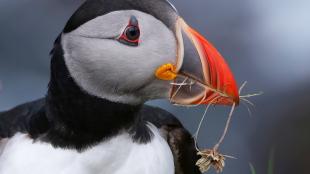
{"x": 77, "y": 118}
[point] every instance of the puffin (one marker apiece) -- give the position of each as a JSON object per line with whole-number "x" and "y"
{"x": 111, "y": 58}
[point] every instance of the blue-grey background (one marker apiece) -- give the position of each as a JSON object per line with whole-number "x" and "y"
{"x": 266, "y": 42}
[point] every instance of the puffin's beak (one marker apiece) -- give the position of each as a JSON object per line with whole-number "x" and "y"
{"x": 201, "y": 75}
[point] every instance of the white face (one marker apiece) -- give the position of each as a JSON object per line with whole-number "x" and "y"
{"x": 104, "y": 67}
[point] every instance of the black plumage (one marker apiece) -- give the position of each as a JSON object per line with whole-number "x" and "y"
{"x": 160, "y": 9}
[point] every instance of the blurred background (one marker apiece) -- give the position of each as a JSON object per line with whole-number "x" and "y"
{"x": 266, "y": 42}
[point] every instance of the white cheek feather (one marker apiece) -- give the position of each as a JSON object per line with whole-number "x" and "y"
{"x": 119, "y": 155}
{"x": 112, "y": 70}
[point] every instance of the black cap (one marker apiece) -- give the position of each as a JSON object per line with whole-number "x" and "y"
{"x": 160, "y": 9}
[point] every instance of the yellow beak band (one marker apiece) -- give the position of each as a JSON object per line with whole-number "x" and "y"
{"x": 166, "y": 72}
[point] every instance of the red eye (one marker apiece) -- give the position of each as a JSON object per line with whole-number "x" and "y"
{"x": 131, "y": 35}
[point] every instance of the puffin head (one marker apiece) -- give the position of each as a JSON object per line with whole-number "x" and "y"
{"x": 132, "y": 51}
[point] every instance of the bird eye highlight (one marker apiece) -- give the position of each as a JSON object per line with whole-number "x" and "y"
{"x": 131, "y": 34}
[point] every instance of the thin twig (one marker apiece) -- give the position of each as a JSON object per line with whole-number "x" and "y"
{"x": 242, "y": 86}
{"x": 247, "y": 107}
{"x": 248, "y": 101}
{"x": 180, "y": 86}
{"x": 252, "y": 95}
{"x": 226, "y": 127}
{"x": 201, "y": 121}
